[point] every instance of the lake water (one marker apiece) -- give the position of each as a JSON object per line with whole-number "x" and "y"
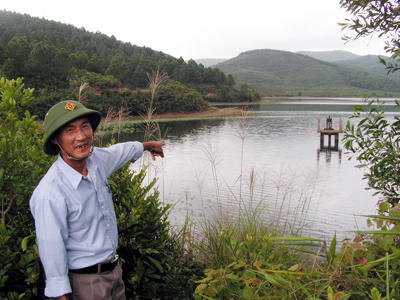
{"x": 270, "y": 162}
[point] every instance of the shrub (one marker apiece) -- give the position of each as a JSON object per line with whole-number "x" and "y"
{"x": 375, "y": 143}
{"x": 22, "y": 165}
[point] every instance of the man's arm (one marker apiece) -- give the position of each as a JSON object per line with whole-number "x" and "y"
{"x": 51, "y": 232}
{"x": 155, "y": 148}
{"x": 63, "y": 297}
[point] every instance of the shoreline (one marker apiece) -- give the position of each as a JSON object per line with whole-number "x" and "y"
{"x": 210, "y": 113}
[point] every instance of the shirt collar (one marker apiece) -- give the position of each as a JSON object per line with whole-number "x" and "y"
{"x": 73, "y": 176}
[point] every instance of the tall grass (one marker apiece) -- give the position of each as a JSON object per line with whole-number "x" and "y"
{"x": 259, "y": 203}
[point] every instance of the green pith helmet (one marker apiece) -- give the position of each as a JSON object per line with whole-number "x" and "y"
{"x": 61, "y": 114}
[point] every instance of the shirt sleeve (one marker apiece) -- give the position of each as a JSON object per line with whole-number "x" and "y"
{"x": 52, "y": 232}
{"x": 116, "y": 156}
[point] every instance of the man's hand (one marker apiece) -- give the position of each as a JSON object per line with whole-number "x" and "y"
{"x": 155, "y": 148}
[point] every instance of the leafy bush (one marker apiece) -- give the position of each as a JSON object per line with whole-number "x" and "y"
{"x": 153, "y": 266}
{"x": 22, "y": 165}
{"x": 176, "y": 97}
{"x": 375, "y": 142}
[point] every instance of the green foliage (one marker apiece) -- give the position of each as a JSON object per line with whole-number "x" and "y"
{"x": 371, "y": 17}
{"x": 153, "y": 266}
{"x": 273, "y": 267}
{"x": 224, "y": 93}
{"x": 22, "y": 158}
{"x": 118, "y": 68}
{"x": 382, "y": 253}
{"x": 258, "y": 268}
{"x": 176, "y": 97}
{"x": 22, "y": 165}
{"x": 375, "y": 142}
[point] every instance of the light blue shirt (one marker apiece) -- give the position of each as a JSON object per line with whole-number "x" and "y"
{"x": 74, "y": 215}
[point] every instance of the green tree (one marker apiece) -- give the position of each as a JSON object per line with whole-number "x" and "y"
{"x": 372, "y": 17}
{"x": 176, "y": 97}
{"x": 94, "y": 64}
{"x": 230, "y": 81}
{"x": 9, "y": 69}
{"x": 21, "y": 154}
{"x": 2, "y": 54}
{"x": 42, "y": 61}
{"x": 63, "y": 65}
{"x": 375, "y": 143}
{"x": 18, "y": 49}
{"x": 79, "y": 60}
{"x": 118, "y": 68}
{"x": 375, "y": 140}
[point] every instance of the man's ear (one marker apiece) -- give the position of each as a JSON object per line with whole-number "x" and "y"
{"x": 54, "y": 141}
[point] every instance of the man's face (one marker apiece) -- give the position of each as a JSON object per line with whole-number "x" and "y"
{"x": 76, "y": 138}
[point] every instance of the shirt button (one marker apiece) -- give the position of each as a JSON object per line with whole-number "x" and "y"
{"x": 108, "y": 225}
{"x": 102, "y": 207}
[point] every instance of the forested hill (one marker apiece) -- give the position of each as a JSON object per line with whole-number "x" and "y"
{"x": 56, "y": 58}
{"x": 370, "y": 63}
{"x": 330, "y": 56}
{"x": 282, "y": 73}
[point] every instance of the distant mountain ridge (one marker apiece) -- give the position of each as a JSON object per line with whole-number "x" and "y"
{"x": 208, "y": 62}
{"x": 330, "y": 56}
{"x": 282, "y": 72}
{"x": 367, "y": 62}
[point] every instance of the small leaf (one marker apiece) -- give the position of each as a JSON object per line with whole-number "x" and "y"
{"x": 24, "y": 243}
{"x": 156, "y": 263}
{"x": 240, "y": 264}
{"x": 294, "y": 268}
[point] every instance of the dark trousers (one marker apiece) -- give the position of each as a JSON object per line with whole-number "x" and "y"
{"x": 101, "y": 286}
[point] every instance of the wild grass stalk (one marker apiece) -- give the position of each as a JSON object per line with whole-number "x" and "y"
{"x": 151, "y": 128}
{"x": 213, "y": 154}
{"x": 156, "y": 79}
{"x": 243, "y": 132}
{"x": 83, "y": 90}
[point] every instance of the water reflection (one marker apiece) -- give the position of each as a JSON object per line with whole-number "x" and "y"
{"x": 327, "y": 153}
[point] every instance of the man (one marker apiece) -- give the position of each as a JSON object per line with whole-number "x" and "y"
{"x": 72, "y": 206}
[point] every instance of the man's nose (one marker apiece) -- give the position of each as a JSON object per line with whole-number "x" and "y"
{"x": 80, "y": 135}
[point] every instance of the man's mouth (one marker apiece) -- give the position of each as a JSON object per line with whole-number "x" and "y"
{"x": 81, "y": 146}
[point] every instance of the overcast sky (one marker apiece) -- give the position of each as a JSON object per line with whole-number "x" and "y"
{"x": 208, "y": 28}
